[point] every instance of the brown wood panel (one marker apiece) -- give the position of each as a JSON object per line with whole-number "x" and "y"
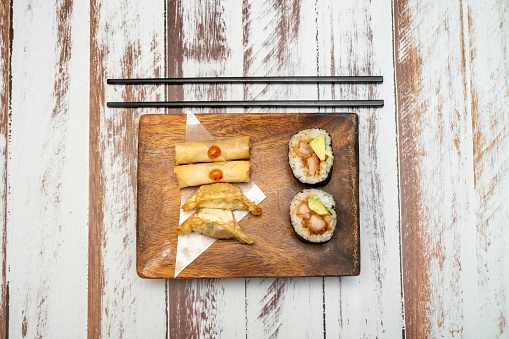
{"x": 96, "y": 185}
{"x": 175, "y": 49}
{"x": 408, "y": 84}
{"x": 276, "y": 251}
{"x": 189, "y": 25}
{"x": 113, "y": 284}
{"x": 436, "y": 168}
{"x": 5, "y": 97}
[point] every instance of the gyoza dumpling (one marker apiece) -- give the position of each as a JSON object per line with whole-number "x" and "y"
{"x": 215, "y": 223}
{"x": 221, "y": 195}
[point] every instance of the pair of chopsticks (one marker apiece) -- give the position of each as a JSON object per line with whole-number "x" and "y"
{"x": 251, "y": 80}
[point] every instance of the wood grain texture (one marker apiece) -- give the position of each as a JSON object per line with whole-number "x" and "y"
{"x": 47, "y": 171}
{"x": 488, "y": 64}
{"x": 439, "y": 233}
{"x": 120, "y": 304}
{"x": 213, "y": 308}
{"x": 209, "y": 33}
{"x": 307, "y": 37}
{"x": 205, "y": 28}
{"x": 96, "y": 184}
{"x": 279, "y": 38}
{"x": 356, "y": 38}
{"x": 174, "y": 48}
{"x": 273, "y": 303}
{"x": 5, "y": 95}
{"x": 276, "y": 251}
{"x": 446, "y": 117}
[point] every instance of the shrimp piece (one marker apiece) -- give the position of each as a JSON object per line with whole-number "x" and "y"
{"x": 316, "y": 223}
{"x": 313, "y": 164}
{"x": 304, "y": 149}
{"x": 304, "y": 210}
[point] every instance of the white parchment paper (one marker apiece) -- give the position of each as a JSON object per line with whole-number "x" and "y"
{"x": 191, "y": 245}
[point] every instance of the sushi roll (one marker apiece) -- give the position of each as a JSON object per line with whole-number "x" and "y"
{"x": 310, "y": 156}
{"x": 313, "y": 215}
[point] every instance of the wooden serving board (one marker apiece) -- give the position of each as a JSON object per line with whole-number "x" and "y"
{"x": 276, "y": 251}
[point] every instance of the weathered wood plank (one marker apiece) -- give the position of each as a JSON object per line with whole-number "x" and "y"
{"x": 488, "y": 55}
{"x": 285, "y": 308}
{"x": 302, "y": 37}
{"x": 174, "y": 50}
{"x": 127, "y": 40}
{"x": 47, "y": 170}
{"x": 5, "y": 91}
{"x": 280, "y": 39}
{"x": 211, "y": 33}
{"x": 218, "y": 55}
{"x": 355, "y": 38}
{"x": 205, "y": 33}
{"x": 436, "y": 169}
{"x": 208, "y": 308}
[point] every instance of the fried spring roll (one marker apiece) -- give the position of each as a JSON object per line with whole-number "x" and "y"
{"x": 208, "y": 173}
{"x": 211, "y": 151}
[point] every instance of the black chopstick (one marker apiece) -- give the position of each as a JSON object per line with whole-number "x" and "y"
{"x": 256, "y": 79}
{"x": 256, "y": 103}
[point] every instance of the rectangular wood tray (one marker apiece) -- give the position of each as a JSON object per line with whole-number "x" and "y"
{"x": 276, "y": 251}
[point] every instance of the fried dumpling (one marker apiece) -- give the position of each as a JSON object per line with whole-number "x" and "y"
{"x": 221, "y": 195}
{"x": 215, "y": 223}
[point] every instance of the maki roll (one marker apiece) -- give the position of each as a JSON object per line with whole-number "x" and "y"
{"x": 313, "y": 215}
{"x": 310, "y": 156}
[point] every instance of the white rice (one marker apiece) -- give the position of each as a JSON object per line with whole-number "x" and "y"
{"x": 297, "y": 164}
{"x": 298, "y": 222}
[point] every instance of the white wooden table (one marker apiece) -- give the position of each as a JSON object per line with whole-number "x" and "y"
{"x": 434, "y": 164}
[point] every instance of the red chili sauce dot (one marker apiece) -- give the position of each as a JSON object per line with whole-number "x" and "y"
{"x": 214, "y": 152}
{"x": 216, "y": 174}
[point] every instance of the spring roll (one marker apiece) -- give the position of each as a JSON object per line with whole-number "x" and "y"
{"x": 211, "y": 151}
{"x": 208, "y": 173}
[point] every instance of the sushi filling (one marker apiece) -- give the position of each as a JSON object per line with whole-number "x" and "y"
{"x": 309, "y": 157}
{"x": 311, "y": 164}
{"x": 314, "y": 222}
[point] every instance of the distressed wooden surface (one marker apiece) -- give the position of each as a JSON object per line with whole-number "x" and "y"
{"x": 453, "y": 91}
{"x": 434, "y": 164}
{"x": 119, "y": 303}
{"x": 303, "y": 37}
{"x": 47, "y": 198}
{"x": 5, "y": 94}
{"x": 488, "y": 54}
